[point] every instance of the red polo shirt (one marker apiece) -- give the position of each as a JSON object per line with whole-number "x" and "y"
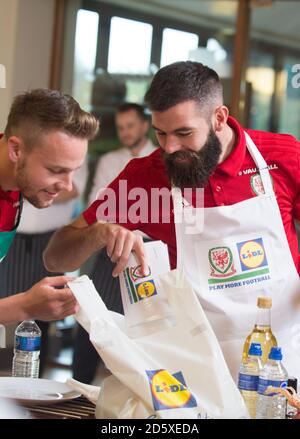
{"x": 9, "y": 203}
{"x": 234, "y": 180}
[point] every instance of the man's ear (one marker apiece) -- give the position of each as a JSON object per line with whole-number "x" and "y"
{"x": 15, "y": 148}
{"x": 220, "y": 118}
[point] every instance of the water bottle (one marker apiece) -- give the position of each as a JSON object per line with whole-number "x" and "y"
{"x": 272, "y": 405}
{"x": 248, "y": 377}
{"x": 26, "y": 360}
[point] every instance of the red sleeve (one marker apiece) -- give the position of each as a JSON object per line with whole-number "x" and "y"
{"x": 90, "y": 213}
{"x": 113, "y": 204}
{"x": 296, "y": 204}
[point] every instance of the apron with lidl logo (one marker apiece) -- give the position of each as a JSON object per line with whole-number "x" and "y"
{"x": 238, "y": 253}
{"x": 6, "y": 238}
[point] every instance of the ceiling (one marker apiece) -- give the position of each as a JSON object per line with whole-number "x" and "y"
{"x": 279, "y": 23}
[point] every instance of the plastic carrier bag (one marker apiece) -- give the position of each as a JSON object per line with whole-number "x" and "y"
{"x": 176, "y": 372}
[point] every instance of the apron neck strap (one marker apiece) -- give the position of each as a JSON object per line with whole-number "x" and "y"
{"x": 19, "y": 211}
{"x": 2, "y": 336}
{"x": 261, "y": 165}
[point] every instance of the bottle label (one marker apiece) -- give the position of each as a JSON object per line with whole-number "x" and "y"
{"x": 263, "y": 384}
{"x": 27, "y": 343}
{"x": 248, "y": 382}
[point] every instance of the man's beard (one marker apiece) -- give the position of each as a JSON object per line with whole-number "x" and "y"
{"x": 190, "y": 169}
{"x": 26, "y": 189}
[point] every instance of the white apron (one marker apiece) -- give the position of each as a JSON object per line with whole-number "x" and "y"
{"x": 238, "y": 253}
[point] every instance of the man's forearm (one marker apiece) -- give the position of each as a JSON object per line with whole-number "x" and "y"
{"x": 70, "y": 247}
{"x": 12, "y": 309}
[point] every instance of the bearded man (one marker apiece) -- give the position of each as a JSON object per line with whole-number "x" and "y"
{"x": 247, "y": 244}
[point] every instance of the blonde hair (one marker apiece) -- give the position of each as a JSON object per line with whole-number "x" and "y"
{"x": 41, "y": 110}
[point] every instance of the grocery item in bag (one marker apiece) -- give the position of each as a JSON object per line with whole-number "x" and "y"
{"x": 146, "y": 307}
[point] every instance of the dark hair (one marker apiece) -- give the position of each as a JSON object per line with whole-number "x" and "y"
{"x": 184, "y": 81}
{"x": 139, "y": 109}
{"x": 42, "y": 110}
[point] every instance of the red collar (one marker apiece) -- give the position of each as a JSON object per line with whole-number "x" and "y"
{"x": 11, "y": 196}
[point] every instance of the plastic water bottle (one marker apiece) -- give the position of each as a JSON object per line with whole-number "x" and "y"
{"x": 248, "y": 377}
{"x": 26, "y": 360}
{"x": 272, "y": 406}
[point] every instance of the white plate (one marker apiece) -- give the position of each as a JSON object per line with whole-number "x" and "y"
{"x": 35, "y": 390}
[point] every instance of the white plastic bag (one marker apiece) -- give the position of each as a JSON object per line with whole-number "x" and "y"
{"x": 178, "y": 372}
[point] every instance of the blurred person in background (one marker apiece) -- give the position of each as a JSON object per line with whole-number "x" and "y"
{"x": 132, "y": 125}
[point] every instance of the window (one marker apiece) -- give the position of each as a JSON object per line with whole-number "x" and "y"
{"x": 261, "y": 75}
{"x": 176, "y": 46}
{"x": 290, "y": 110}
{"x": 129, "y": 46}
{"x": 85, "y": 55}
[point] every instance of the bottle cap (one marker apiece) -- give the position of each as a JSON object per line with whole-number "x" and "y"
{"x": 255, "y": 349}
{"x": 264, "y": 302}
{"x": 275, "y": 353}
{"x": 293, "y": 382}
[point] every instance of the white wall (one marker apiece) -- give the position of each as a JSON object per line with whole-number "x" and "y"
{"x": 8, "y": 25}
{"x": 26, "y": 28}
{"x": 72, "y": 7}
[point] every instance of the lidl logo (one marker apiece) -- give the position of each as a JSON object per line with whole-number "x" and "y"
{"x": 169, "y": 391}
{"x": 252, "y": 254}
{"x": 146, "y": 289}
{"x": 138, "y": 289}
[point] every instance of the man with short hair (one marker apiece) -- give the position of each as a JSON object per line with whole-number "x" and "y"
{"x": 44, "y": 142}
{"x": 132, "y": 125}
{"x": 246, "y": 245}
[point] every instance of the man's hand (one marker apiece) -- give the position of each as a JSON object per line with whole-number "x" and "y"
{"x": 45, "y": 302}
{"x": 120, "y": 242}
{"x": 72, "y": 245}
